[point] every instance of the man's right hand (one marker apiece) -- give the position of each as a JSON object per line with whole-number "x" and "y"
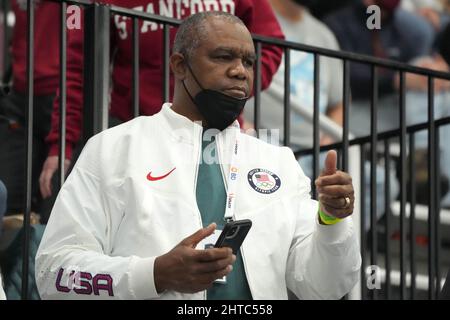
{"x": 188, "y": 270}
{"x": 48, "y": 169}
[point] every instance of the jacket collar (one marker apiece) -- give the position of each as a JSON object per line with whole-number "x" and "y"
{"x": 184, "y": 129}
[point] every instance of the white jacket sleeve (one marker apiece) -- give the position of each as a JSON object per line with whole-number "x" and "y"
{"x": 2, "y": 293}
{"x": 324, "y": 261}
{"x": 72, "y": 261}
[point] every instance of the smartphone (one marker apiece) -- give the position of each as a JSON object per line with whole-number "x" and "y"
{"x": 233, "y": 234}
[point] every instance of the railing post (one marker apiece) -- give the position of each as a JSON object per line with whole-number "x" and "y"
{"x": 287, "y": 97}
{"x": 373, "y": 174}
{"x": 29, "y": 149}
{"x": 354, "y": 169}
{"x": 403, "y": 191}
{"x": 257, "y": 88}
{"x": 135, "y": 82}
{"x": 316, "y": 129}
{"x": 165, "y": 60}
{"x": 431, "y": 191}
{"x": 96, "y": 69}
{"x": 63, "y": 93}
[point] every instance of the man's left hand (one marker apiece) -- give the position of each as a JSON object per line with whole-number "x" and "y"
{"x": 335, "y": 189}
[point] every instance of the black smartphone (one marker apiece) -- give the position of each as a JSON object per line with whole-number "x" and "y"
{"x": 233, "y": 234}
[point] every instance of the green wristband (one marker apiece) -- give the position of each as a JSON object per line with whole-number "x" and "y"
{"x": 328, "y": 220}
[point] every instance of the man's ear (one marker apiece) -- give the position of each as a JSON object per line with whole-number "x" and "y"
{"x": 178, "y": 65}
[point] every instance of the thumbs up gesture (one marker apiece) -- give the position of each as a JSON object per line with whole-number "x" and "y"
{"x": 335, "y": 189}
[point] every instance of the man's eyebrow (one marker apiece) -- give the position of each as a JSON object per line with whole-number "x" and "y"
{"x": 246, "y": 54}
{"x": 251, "y": 56}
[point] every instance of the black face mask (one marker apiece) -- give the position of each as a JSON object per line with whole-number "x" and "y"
{"x": 218, "y": 109}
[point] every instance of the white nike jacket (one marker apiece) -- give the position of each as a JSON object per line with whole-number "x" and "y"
{"x": 112, "y": 218}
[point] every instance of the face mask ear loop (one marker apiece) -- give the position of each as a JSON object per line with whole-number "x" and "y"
{"x": 193, "y": 75}
{"x": 187, "y": 91}
{"x": 195, "y": 78}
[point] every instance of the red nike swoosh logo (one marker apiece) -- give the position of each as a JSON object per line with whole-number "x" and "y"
{"x": 151, "y": 178}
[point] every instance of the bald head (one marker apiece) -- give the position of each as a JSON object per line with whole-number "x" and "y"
{"x": 194, "y": 30}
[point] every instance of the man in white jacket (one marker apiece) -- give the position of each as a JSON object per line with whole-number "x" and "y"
{"x": 132, "y": 218}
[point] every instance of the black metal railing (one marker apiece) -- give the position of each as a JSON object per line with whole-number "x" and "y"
{"x": 434, "y": 275}
{"x": 96, "y": 85}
